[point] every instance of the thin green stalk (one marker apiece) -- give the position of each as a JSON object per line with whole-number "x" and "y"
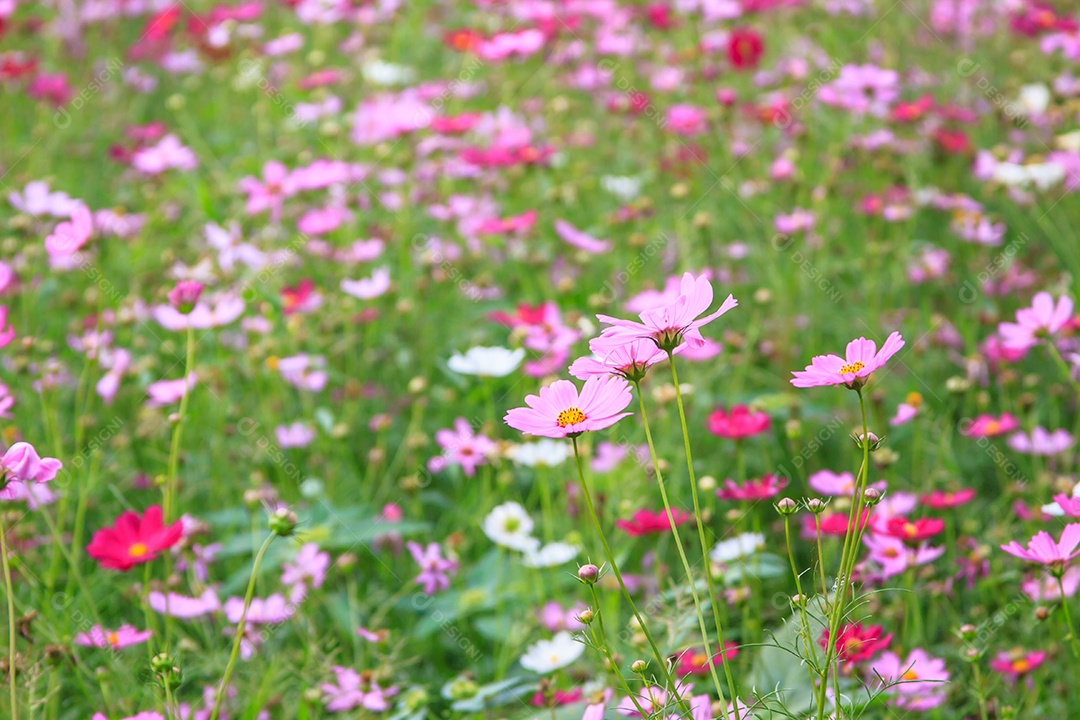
{"x": 600, "y": 638}
{"x": 979, "y": 691}
{"x": 10, "y": 591}
{"x": 701, "y": 538}
{"x": 682, "y": 555}
{"x": 178, "y": 431}
{"x": 807, "y": 638}
{"x": 240, "y": 627}
{"x": 1068, "y": 617}
{"x": 661, "y": 661}
{"x": 1063, "y": 366}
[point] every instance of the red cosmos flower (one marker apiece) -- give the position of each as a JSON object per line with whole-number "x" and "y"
{"x": 645, "y": 522}
{"x": 525, "y": 314}
{"x": 295, "y": 298}
{"x": 954, "y": 142}
{"x": 1039, "y": 17}
{"x": 740, "y": 422}
{"x": 856, "y": 643}
{"x": 694, "y": 661}
{"x": 913, "y": 531}
{"x": 912, "y": 111}
{"x": 659, "y": 15}
{"x": 454, "y": 124}
{"x": 558, "y": 697}
{"x": 745, "y": 48}
{"x": 940, "y": 500}
{"x": 133, "y": 540}
{"x": 763, "y": 489}
{"x": 463, "y": 40}
{"x": 832, "y": 523}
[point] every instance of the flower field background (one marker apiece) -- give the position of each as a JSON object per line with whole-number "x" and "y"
{"x": 539, "y": 359}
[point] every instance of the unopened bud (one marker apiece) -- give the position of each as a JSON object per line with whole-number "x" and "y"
{"x": 639, "y": 667}
{"x": 786, "y": 506}
{"x": 283, "y": 522}
{"x": 588, "y": 574}
{"x": 815, "y": 505}
{"x": 585, "y": 617}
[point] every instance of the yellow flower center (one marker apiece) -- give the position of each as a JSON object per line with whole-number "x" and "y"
{"x": 570, "y": 416}
{"x": 137, "y": 550}
{"x": 1021, "y": 665}
{"x": 909, "y": 675}
{"x": 852, "y": 368}
{"x": 113, "y": 638}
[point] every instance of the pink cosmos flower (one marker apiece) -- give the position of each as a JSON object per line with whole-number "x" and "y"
{"x": 304, "y": 371}
{"x": 70, "y": 236}
{"x": 21, "y": 463}
{"x": 37, "y": 199}
{"x": 1041, "y": 442}
{"x": 269, "y": 611}
{"x": 168, "y": 154}
{"x": 1045, "y": 589}
{"x": 752, "y": 490}
{"x": 1069, "y": 505}
{"x": 1043, "y": 550}
{"x": 435, "y": 569}
{"x": 686, "y": 119}
{"x": 296, "y": 435}
{"x": 268, "y": 193}
{"x": 905, "y": 413}
{"x": 827, "y": 482}
{"x": 184, "y": 295}
{"x": 581, "y": 240}
{"x": 1016, "y": 663}
{"x": 861, "y": 358}
{"x": 352, "y": 690}
{"x": 560, "y": 411}
{"x": 556, "y": 618}
{"x": 123, "y": 636}
{"x": 461, "y": 446}
{"x": 989, "y": 426}
{"x": 894, "y": 557}
{"x": 310, "y": 564}
{"x": 203, "y": 316}
{"x": 368, "y": 288}
{"x": 738, "y": 423}
{"x": 1043, "y": 319}
{"x": 167, "y": 392}
{"x": 921, "y": 681}
{"x": 629, "y": 360}
{"x": 672, "y": 325}
{"x": 183, "y": 607}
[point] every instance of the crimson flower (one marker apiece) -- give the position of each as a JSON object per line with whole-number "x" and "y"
{"x": 737, "y": 423}
{"x": 913, "y": 531}
{"x": 752, "y": 490}
{"x": 645, "y": 522}
{"x": 133, "y": 540}
{"x": 745, "y": 48}
{"x": 855, "y": 643}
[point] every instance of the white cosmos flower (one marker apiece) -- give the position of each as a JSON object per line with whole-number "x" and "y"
{"x": 737, "y": 547}
{"x": 1033, "y": 99}
{"x": 510, "y": 526}
{"x": 487, "y": 361}
{"x": 556, "y": 553}
{"x": 621, "y": 186}
{"x": 548, "y": 655}
{"x": 546, "y": 452}
{"x": 379, "y": 72}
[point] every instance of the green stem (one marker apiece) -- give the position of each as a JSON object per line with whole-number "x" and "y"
{"x": 661, "y": 661}
{"x": 178, "y": 431}
{"x": 600, "y": 638}
{"x": 701, "y": 538}
{"x": 240, "y": 627}
{"x": 1063, "y": 366}
{"x": 807, "y": 637}
{"x": 682, "y": 555}
{"x": 1068, "y": 617}
{"x": 9, "y": 590}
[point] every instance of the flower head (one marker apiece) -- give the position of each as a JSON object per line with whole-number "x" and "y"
{"x": 646, "y": 522}
{"x": 737, "y": 423}
{"x": 1044, "y": 550}
{"x": 133, "y": 540}
{"x": 122, "y": 636}
{"x": 1043, "y": 319}
{"x": 560, "y": 411}
{"x": 22, "y": 463}
{"x": 548, "y": 655}
{"x": 861, "y": 358}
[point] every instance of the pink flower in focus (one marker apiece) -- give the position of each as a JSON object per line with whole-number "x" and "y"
{"x": 861, "y": 358}
{"x": 560, "y": 411}
{"x": 670, "y": 325}
{"x": 628, "y": 360}
{"x": 1044, "y": 550}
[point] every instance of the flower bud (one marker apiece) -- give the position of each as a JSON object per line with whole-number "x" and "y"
{"x": 967, "y": 632}
{"x": 786, "y": 506}
{"x": 283, "y": 522}
{"x": 815, "y": 505}
{"x": 1041, "y": 613}
{"x": 872, "y": 496}
{"x": 639, "y": 667}
{"x": 798, "y": 600}
{"x": 870, "y": 439}
{"x": 588, "y": 574}
{"x": 585, "y": 617}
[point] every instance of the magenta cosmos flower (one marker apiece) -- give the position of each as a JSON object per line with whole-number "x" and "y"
{"x": 121, "y": 637}
{"x": 560, "y": 411}
{"x": 1043, "y": 550}
{"x": 861, "y": 358}
{"x": 672, "y": 325}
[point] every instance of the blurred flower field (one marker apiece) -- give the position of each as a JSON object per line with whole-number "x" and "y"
{"x": 515, "y": 359}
